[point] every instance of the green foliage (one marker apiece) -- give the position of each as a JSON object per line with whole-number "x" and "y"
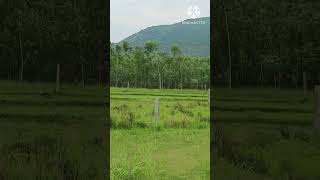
{"x": 193, "y": 39}
{"x": 272, "y": 42}
{"x": 66, "y": 32}
{"x": 148, "y": 68}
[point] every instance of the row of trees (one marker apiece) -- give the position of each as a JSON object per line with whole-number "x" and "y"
{"x": 148, "y": 68}
{"x": 37, "y": 35}
{"x": 266, "y": 43}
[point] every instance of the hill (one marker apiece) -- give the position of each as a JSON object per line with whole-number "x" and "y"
{"x": 191, "y": 35}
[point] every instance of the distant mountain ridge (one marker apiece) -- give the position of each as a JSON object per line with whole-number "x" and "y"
{"x": 191, "y": 35}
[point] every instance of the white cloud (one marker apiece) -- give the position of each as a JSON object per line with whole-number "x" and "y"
{"x": 131, "y": 16}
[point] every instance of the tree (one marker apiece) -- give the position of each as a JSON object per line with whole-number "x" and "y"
{"x": 147, "y": 67}
{"x": 261, "y": 30}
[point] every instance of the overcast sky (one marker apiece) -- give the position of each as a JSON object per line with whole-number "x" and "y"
{"x": 131, "y": 16}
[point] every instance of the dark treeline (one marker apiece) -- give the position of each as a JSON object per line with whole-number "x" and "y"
{"x": 266, "y": 43}
{"x": 37, "y": 35}
{"x": 146, "y": 67}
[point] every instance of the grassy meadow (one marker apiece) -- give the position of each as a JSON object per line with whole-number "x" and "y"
{"x": 265, "y": 134}
{"x": 47, "y": 135}
{"x": 177, "y": 147}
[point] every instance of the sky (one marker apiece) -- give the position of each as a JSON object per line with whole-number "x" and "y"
{"x": 131, "y": 16}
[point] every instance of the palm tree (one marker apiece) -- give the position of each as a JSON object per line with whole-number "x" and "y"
{"x": 150, "y": 46}
{"x": 176, "y": 52}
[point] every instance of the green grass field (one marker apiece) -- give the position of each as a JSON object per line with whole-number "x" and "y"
{"x": 45, "y": 135}
{"x": 176, "y": 148}
{"x": 259, "y": 133}
{"x": 265, "y": 134}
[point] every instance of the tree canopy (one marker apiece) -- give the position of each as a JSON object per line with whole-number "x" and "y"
{"x": 149, "y": 68}
{"x": 36, "y": 35}
{"x": 272, "y": 42}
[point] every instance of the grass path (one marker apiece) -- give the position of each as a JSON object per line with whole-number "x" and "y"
{"x": 164, "y": 154}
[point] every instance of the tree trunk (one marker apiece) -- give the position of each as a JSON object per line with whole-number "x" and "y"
{"x": 229, "y": 48}
{"x": 317, "y": 108}
{"x": 297, "y": 81}
{"x": 275, "y": 81}
{"x": 82, "y": 76}
{"x": 261, "y": 76}
{"x": 279, "y": 80}
{"x": 100, "y": 75}
{"x": 297, "y": 74}
{"x": 159, "y": 74}
{"x": 116, "y": 80}
{"x": 21, "y": 56}
{"x": 58, "y": 78}
{"x": 9, "y": 73}
{"x": 305, "y": 86}
{"x": 181, "y": 83}
{"x": 117, "y": 72}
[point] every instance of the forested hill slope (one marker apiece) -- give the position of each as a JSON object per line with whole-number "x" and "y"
{"x": 191, "y": 35}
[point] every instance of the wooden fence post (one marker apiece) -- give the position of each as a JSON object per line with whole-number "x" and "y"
{"x": 317, "y": 108}
{"x": 58, "y": 78}
{"x": 156, "y": 110}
